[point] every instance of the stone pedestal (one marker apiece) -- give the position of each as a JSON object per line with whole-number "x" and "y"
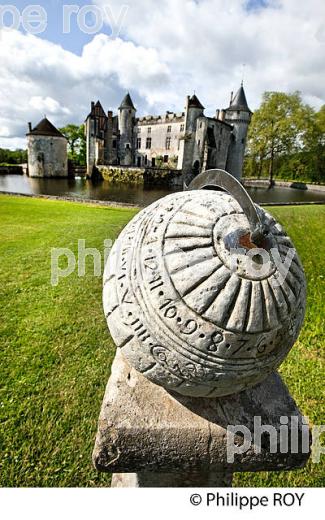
{"x": 149, "y": 437}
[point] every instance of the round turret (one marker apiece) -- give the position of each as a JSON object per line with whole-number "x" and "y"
{"x": 239, "y": 116}
{"x": 126, "y": 114}
{"x": 47, "y": 151}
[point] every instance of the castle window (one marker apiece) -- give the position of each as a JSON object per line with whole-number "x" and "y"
{"x": 114, "y": 143}
{"x": 149, "y": 129}
{"x": 182, "y": 128}
{"x": 200, "y": 125}
{"x": 169, "y": 128}
{"x": 139, "y": 143}
{"x": 168, "y": 140}
{"x": 127, "y": 146}
{"x": 199, "y": 142}
{"x": 221, "y": 129}
{"x": 148, "y": 143}
{"x": 165, "y": 158}
{"x": 139, "y": 129}
{"x": 219, "y": 146}
{"x": 243, "y": 140}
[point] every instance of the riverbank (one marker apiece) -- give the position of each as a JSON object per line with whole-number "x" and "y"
{"x": 265, "y": 183}
{"x": 56, "y": 350}
{"x": 114, "y": 204}
{"x": 11, "y": 169}
{"x": 77, "y": 200}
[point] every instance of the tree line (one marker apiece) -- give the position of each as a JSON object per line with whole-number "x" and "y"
{"x": 286, "y": 140}
{"x": 12, "y": 156}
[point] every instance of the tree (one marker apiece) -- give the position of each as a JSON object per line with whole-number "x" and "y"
{"x": 278, "y": 129}
{"x": 13, "y": 156}
{"x": 76, "y": 143}
{"x": 314, "y": 146}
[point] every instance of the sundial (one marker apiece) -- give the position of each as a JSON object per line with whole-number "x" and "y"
{"x": 194, "y": 291}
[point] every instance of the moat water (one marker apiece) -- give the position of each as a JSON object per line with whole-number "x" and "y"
{"x": 134, "y": 194}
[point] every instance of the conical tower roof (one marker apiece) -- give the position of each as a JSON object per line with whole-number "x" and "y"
{"x": 194, "y": 102}
{"x": 239, "y": 101}
{"x": 45, "y": 127}
{"x": 127, "y": 102}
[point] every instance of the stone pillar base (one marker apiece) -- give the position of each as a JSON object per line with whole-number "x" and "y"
{"x": 148, "y": 479}
{"x": 150, "y": 438}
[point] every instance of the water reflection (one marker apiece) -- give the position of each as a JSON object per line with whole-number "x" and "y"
{"x": 83, "y": 188}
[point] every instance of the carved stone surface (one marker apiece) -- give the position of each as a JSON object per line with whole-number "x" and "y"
{"x": 184, "y": 314}
{"x": 175, "y": 440}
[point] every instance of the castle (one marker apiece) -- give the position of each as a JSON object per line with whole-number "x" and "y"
{"x": 188, "y": 141}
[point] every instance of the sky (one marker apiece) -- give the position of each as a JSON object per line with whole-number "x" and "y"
{"x": 73, "y": 53}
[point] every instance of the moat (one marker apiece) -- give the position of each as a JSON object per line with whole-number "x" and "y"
{"x": 134, "y": 194}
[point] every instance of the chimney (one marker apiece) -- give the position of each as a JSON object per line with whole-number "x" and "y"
{"x": 217, "y": 113}
{"x": 231, "y": 97}
{"x": 222, "y": 115}
{"x": 30, "y": 127}
{"x": 92, "y": 105}
{"x": 110, "y": 121}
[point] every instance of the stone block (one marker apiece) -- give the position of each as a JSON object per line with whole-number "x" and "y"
{"x": 151, "y": 437}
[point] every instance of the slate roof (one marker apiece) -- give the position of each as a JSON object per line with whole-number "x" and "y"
{"x": 239, "y": 102}
{"x": 45, "y": 127}
{"x": 92, "y": 112}
{"x": 99, "y": 105}
{"x": 194, "y": 102}
{"x": 127, "y": 102}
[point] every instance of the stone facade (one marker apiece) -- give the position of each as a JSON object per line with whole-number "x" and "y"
{"x": 189, "y": 141}
{"x": 47, "y": 151}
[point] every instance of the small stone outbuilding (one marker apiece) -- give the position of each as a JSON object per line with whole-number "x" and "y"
{"x": 47, "y": 151}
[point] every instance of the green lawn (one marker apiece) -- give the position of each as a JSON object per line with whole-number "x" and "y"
{"x": 56, "y": 351}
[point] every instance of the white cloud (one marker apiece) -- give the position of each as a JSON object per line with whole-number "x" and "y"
{"x": 48, "y": 105}
{"x": 13, "y": 143}
{"x": 205, "y": 43}
{"x": 168, "y": 50}
{"x": 39, "y": 77}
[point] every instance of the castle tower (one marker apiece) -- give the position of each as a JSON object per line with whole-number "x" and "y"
{"x": 47, "y": 151}
{"x": 239, "y": 116}
{"x": 193, "y": 110}
{"x": 126, "y": 116}
{"x": 96, "y": 130}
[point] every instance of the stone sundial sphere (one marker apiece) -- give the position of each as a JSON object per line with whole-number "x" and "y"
{"x": 196, "y": 292}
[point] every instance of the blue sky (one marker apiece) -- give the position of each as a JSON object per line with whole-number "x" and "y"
{"x": 163, "y": 51}
{"x": 252, "y": 5}
{"x": 76, "y": 39}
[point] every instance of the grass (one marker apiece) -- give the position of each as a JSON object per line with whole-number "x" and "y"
{"x": 56, "y": 351}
